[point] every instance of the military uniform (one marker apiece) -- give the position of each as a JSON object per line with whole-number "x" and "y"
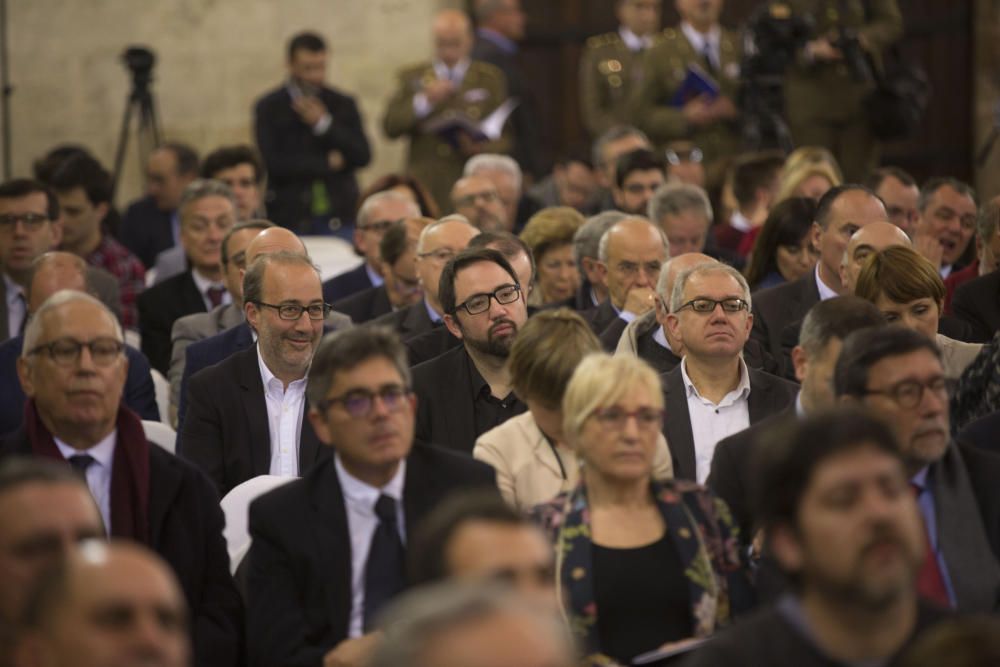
{"x": 665, "y": 70}
{"x": 823, "y": 103}
{"x": 432, "y": 159}
{"x": 610, "y": 75}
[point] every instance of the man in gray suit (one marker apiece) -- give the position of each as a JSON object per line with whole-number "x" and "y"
{"x": 897, "y": 373}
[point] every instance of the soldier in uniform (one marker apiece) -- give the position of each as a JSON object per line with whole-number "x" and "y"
{"x": 823, "y": 101}
{"x": 450, "y": 86}
{"x": 611, "y": 65}
{"x": 710, "y": 122}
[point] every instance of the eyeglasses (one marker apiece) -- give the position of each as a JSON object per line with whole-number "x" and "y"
{"x": 676, "y": 157}
{"x": 480, "y": 303}
{"x": 908, "y": 393}
{"x": 440, "y": 255}
{"x": 615, "y": 417}
{"x": 66, "y": 351}
{"x": 359, "y": 402}
{"x": 705, "y": 305}
{"x": 293, "y": 311}
{"x": 378, "y": 226}
{"x": 470, "y": 199}
{"x": 29, "y": 220}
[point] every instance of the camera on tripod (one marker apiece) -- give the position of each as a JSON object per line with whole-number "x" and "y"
{"x": 139, "y": 61}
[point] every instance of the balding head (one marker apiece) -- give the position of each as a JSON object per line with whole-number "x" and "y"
{"x": 272, "y": 240}
{"x": 631, "y": 254}
{"x": 873, "y": 237}
{"x": 52, "y": 272}
{"x": 452, "y": 36}
{"x": 675, "y": 267}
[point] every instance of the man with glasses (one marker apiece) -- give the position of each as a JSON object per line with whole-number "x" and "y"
{"x": 329, "y": 549}
{"x": 73, "y": 370}
{"x": 712, "y": 393}
{"x": 476, "y": 198}
{"x": 376, "y": 215}
{"x": 245, "y": 415}
{"x": 467, "y": 391}
{"x": 897, "y": 373}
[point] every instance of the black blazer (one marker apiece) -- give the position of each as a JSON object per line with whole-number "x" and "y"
{"x": 978, "y": 303}
{"x": 430, "y": 344}
{"x": 408, "y": 322}
{"x": 146, "y": 230}
{"x": 983, "y": 433}
{"x": 159, "y": 307}
{"x": 601, "y": 317}
{"x": 208, "y": 352}
{"x": 296, "y": 157}
{"x": 225, "y": 431}
{"x": 299, "y": 566}
{"x": 777, "y": 317}
{"x": 185, "y": 522}
{"x": 345, "y": 284}
{"x": 768, "y": 395}
{"x": 365, "y": 305}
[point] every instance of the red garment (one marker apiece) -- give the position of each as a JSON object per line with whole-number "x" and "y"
{"x": 749, "y": 239}
{"x": 956, "y": 279}
{"x": 728, "y": 237}
{"x": 930, "y": 581}
{"x": 116, "y": 259}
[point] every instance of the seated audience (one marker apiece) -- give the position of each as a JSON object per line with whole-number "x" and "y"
{"x": 572, "y": 183}
{"x": 586, "y": 244}
{"x": 784, "y": 250}
{"x": 809, "y": 178}
{"x": 684, "y": 214}
{"x": 329, "y": 550}
{"x": 947, "y": 223}
{"x": 549, "y": 234}
{"x": 409, "y": 186}
{"x": 506, "y": 175}
{"x": 978, "y": 301}
{"x": 637, "y": 570}
{"x": 476, "y": 198}
{"x": 615, "y": 142}
{"x": 638, "y": 174}
{"x": 900, "y": 193}
{"x": 684, "y": 162}
{"x": 870, "y": 239}
{"x": 754, "y": 184}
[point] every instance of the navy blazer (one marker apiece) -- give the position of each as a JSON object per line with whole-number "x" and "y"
{"x": 146, "y": 230}
{"x": 345, "y": 284}
{"x": 139, "y": 393}
{"x": 365, "y": 305}
{"x": 208, "y": 352}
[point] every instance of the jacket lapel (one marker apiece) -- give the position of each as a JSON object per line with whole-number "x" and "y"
{"x": 4, "y": 324}
{"x": 677, "y": 425}
{"x": 311, "y": 450}
{"x": 759, "y": 402}
{"x": 255, "y": 410}
{"x": 333, "y": 541}
{"x": 164, "y": 485}
{"x": 459, "y": 415}
{"x": 416, "y": 320}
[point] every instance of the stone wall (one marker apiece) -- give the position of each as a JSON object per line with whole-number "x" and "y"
{"x": 214, "y": 57}
{"x": 986, "y": 106}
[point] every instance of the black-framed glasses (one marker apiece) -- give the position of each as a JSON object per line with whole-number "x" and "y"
{"x": 293, "y": 311}
{"x": 907, "y": 394}
{"x": 480, "y": 303}
{"x": 616, "y": 417}
{"x": 359, "y": 402}
{"x": 66, "y": 351}
{"x": 29, "y": 220}
{"x": 704, "y": 305}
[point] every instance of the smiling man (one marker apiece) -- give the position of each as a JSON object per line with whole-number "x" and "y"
{"x": 947, "y": 215}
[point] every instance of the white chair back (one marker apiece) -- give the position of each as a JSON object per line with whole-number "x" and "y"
{"x": 162, "y": 389}
{"x": 160, "y": 434}
{"x": 236, "y": 506}
{"x": 331, "y": 254}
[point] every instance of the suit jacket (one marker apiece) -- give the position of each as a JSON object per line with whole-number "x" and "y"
{"x": 169, "y": 263}
{"x": 978, "y": 303}
{"x": 185, "y": 522}
{"x": 296, "y": 157}
{"x": 430, "y": 344}
{"x": 146, "y": 230}
{"x": 299, "y": 566}
{"x": 139, "y": 393}
{"x": 983, "y": 433}
{"x": 226, "y": 431}
{"x": 601, "y": 317}
{"x": 768, "y": 395}
{"x": 408, "y": 322}
{"x": 365, "y": 305}
{"x": 777, "y": 317}
{"x": 159, "y": 307}
{"x": 345, "y": 284}
{"x": 445, "y": 401}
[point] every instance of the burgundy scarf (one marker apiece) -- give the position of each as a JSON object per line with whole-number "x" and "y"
{"x": 129, "y": 470}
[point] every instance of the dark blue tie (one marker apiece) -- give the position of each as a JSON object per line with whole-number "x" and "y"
{"x": 80, "y": 463}
{"x": 384, "y": 570}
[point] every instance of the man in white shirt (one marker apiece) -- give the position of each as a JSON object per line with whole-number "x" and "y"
{"x": 712, "y": 393}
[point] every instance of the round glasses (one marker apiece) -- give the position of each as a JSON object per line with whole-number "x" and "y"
{"x": 66, "y": 351}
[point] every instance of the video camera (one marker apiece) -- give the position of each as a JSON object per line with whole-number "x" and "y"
{"x": 139, "y": 60}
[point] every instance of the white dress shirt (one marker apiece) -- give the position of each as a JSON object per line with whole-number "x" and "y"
{"x": 698, "y": 41}
{"x": 203, "y": 283}
{"x": 740, "y": 222}
{"x": 634, "y": 42}
{"x": 711, "y": 422}
{"x": 824, "y": 291}
{"x": 17, "y": 308}
{"x": 98, "y": 473}
{"x": 945, "y": 270}
{"x": 284, "y": 419}
{"x": 359, "y": 500}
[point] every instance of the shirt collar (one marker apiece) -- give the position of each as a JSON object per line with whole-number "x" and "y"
{"x": 103, "y": 452}
{"x": 13, "y": 289}
{"x": 661, "y": 338}
{"x": 740, "y": 222}
{"x": 800, "y": 410}
{"x": 741, "y": 391}
{"x": 457, "y": 72}
{"x": 433, "y": 314}
{"x": 945, "y": 270}
{"x": 698, "y": 39}
{"x": 633, "y": 41}
{"x": 203, "y": 283}
{"x": 920, "y": 479}
{"x": 272, "y": 382}
{"x": 374, "y": 276}
{"x": 362, "y": 493}
{"x": 824, "y": 291}
{"x": 505, "y": 44}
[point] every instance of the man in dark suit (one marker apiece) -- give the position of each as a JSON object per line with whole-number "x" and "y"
{"x": 978, "y": 303}
{"x": 824, "y": 329}
{"x": 316, "y": 582}
{"x": 897, "y": 374}
{"x": 73, "y": 373}
{"x": 207, "y": 212}
{"x": 152, "y": 224}
{"x": 712, "y": 393}
{"x": 312, "y": 141}
{"x": 246, "y": 414}
{"x": 467, "y": 391}
{"x": 778, "y": 311}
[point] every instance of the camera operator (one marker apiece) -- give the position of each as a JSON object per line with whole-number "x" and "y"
{"x": 826, "y": 85}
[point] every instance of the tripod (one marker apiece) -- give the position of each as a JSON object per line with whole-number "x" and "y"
{"x": 140, "y": 99}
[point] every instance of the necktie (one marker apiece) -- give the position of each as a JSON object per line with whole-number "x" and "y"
{"x": 930, "y": 581}
{"x": 706, "y": 54}
{"x": 215, "y": 294}
{"x": 384, "y": 570}
{"x": 80, "y": 463}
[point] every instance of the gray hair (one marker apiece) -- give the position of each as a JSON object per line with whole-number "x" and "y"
{"x": 253, "y": 279}
{"x": 610, "y": 135}
{"x": 33, "y": 330}
{"x": 602, "y": 246}
{"x": 935, "y": 184}
{"x": 677, "y": 198}
{"x": 587, "y": 239}
{"x": 345, "y": 349}
{"x": 372, "y": 201}
{"x": 200, "y": 188}
{"x": 661, "y": 282}
{"x": 418, "y": 618}
{"x": 454, "y": 217}
{"x": 677, "y": 295}
{"x": 987, "y": 221}
{"x": 494, "y": 162}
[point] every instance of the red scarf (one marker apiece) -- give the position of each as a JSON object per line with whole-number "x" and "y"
{"x": 129, "y": 470}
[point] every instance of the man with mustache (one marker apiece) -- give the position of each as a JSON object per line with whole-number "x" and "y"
{"x": 467, "y": 391}
{"x": 897, "y": 373}
{"x": 245, "y": 415}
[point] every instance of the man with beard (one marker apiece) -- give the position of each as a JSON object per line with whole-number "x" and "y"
{"x": 839, "y": 517}
{"x": 897, "y": 373}
{"x": 467, "y": 391}
{"x": 245, "y": 415}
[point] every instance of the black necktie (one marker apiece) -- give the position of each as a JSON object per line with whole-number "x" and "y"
{"x": 384, "y": 570}
{"x": 80, "y": 463}
{"x": 707, "y": 55}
